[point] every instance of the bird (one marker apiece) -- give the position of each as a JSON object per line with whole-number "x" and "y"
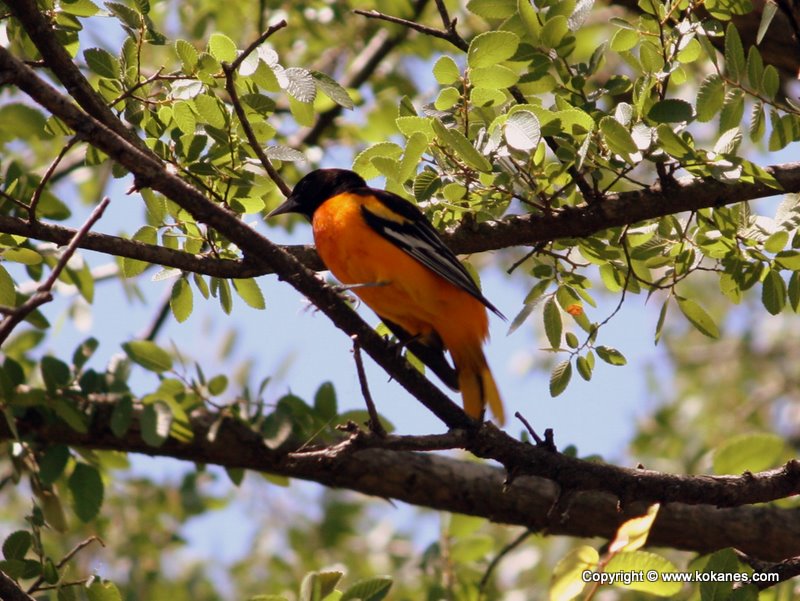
{"x": 383, "y": 248}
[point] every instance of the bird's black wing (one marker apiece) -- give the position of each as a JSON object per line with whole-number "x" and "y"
{"x": 415, "y": 236}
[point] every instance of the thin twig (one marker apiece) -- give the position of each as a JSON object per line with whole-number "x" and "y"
{"x": 44, "y": 293}
{"x": 159, "y": 320}
{"x": 499, "y": 557}
{"x": 431, "y": 31}
{"x": 375, "y": 424}
{"x": 786, "y": 569}
{"x": 37, "y": 193}
{"x": 255, "y": 44}
{"x": 36, "y": 586}
{"x": 16, "y": 201}
{"x": 230, "y": 70}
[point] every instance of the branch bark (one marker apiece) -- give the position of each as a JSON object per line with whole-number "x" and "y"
{"x": 616, "y": 210}
{"x": 444, "y": 483}
{"x": 150, "y": 172}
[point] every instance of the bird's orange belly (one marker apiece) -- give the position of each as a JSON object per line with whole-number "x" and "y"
{"x": 393, "y": 284}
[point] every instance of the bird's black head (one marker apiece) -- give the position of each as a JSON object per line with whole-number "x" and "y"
{"x": 317, "y": 187}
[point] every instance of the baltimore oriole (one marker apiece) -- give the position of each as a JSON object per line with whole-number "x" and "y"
{"x": 384, "y": 247}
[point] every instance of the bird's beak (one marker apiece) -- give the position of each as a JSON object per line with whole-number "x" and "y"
{"x": 290, "y": 205}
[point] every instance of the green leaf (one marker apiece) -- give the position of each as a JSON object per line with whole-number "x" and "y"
{"x": 362, "y": 164}
{"x": 133, "y": 267}
{"x": 149, "y": 355}
{"x": 749, "y": 453}
{"x": 446, "y": 71}
{"x": 496, "y": 78}
{"x": 698, "y": 317}
{"x": 554, "y": 30}
{"x": 411, "y": 125}
{"x": 767, "y": 14}
{"x": 471, "y": 549}
{"x": 734, "y": 53}
{"x": 584, "y": 368}
{"x": 552, "y": 322}
{"x": 492, "y": 9}
{"x": 26, "y": 256}
{"x": 447, "y": 99}
{"x": 710, "y": 97}
{"x": 560, "y": 377}
{"x": 180, "y": 300}
{"x": 52, "y": 463}
{"x": 371, "y": 589}
{"x": 617, "y": 137}
{"x": 522, "y": 130}
{"x": 332, "y": 90}
{"x": 187, "y": 55}
{"x": 102, "y": 62}
{"x": 20, "y": 121}
{"x": 462, "y": 147}
{"x": 217, "y": 385}
{"x": 17, "y": 544}
{"x": 122, "y": 416}
{"x": 156, "y": 422}
{"x": 776, "y": 242}
{"x": 318, "y": 585}
{"x": 610, "y": 355}
{"x": 325, "y": 401}
{"x": 721, "y": 562}
{"x": 771, "y": 82}
{"x": 300, "y": 84}
{"x": 210, "y": 111}
{"x": 794, "y": 291}
{"x": 184, "y": 117}
{"x": 567, "y": 580}
{"x": 8, "y": 293}
{"x": 86, "y": 487}
{"x": 249, "y": 292}
{"x": 83, "y": 352}
{"x": 773, "y": 292}
{"x": 80, "y": 8}
{"x": 55, "y": 373}
{"x": 624, "y": 40}
{"x": 103, "y": 590}
{"x": 670, "y": 110}
{"x": 755, "y": 67}
{"x": 488, "y": 49}
{"x": 221, "y": 47}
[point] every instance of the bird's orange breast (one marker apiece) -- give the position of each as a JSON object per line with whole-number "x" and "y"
{"x": 393, "y": 284}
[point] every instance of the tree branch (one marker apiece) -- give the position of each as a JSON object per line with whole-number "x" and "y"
{"x": 370, "y": 466}
{"x": 150, "y": 172}
{"x": 230, "y": 85}
{"x": 60, "y": 62}
{"x": 617, "y": 209}
{"x": 44, "y": 293}
{"x": 10, "y": 590}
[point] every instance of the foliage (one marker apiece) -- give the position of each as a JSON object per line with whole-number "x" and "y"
{"x": 594, "y": 127}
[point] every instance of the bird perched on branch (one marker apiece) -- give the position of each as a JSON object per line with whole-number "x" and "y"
{"x": 383, "y": 247}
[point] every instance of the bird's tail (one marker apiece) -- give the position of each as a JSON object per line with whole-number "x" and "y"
{"x": 477, "y": 385}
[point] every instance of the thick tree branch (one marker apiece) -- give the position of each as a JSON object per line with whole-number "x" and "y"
{"x": 617, "y": 209}
{"x": 11, "y": 591}
{"x": 60, "y": 62}
{"x": 44, "y": 293}
{"x": 763, "y": 532}
{"x": 149, "y": 172}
